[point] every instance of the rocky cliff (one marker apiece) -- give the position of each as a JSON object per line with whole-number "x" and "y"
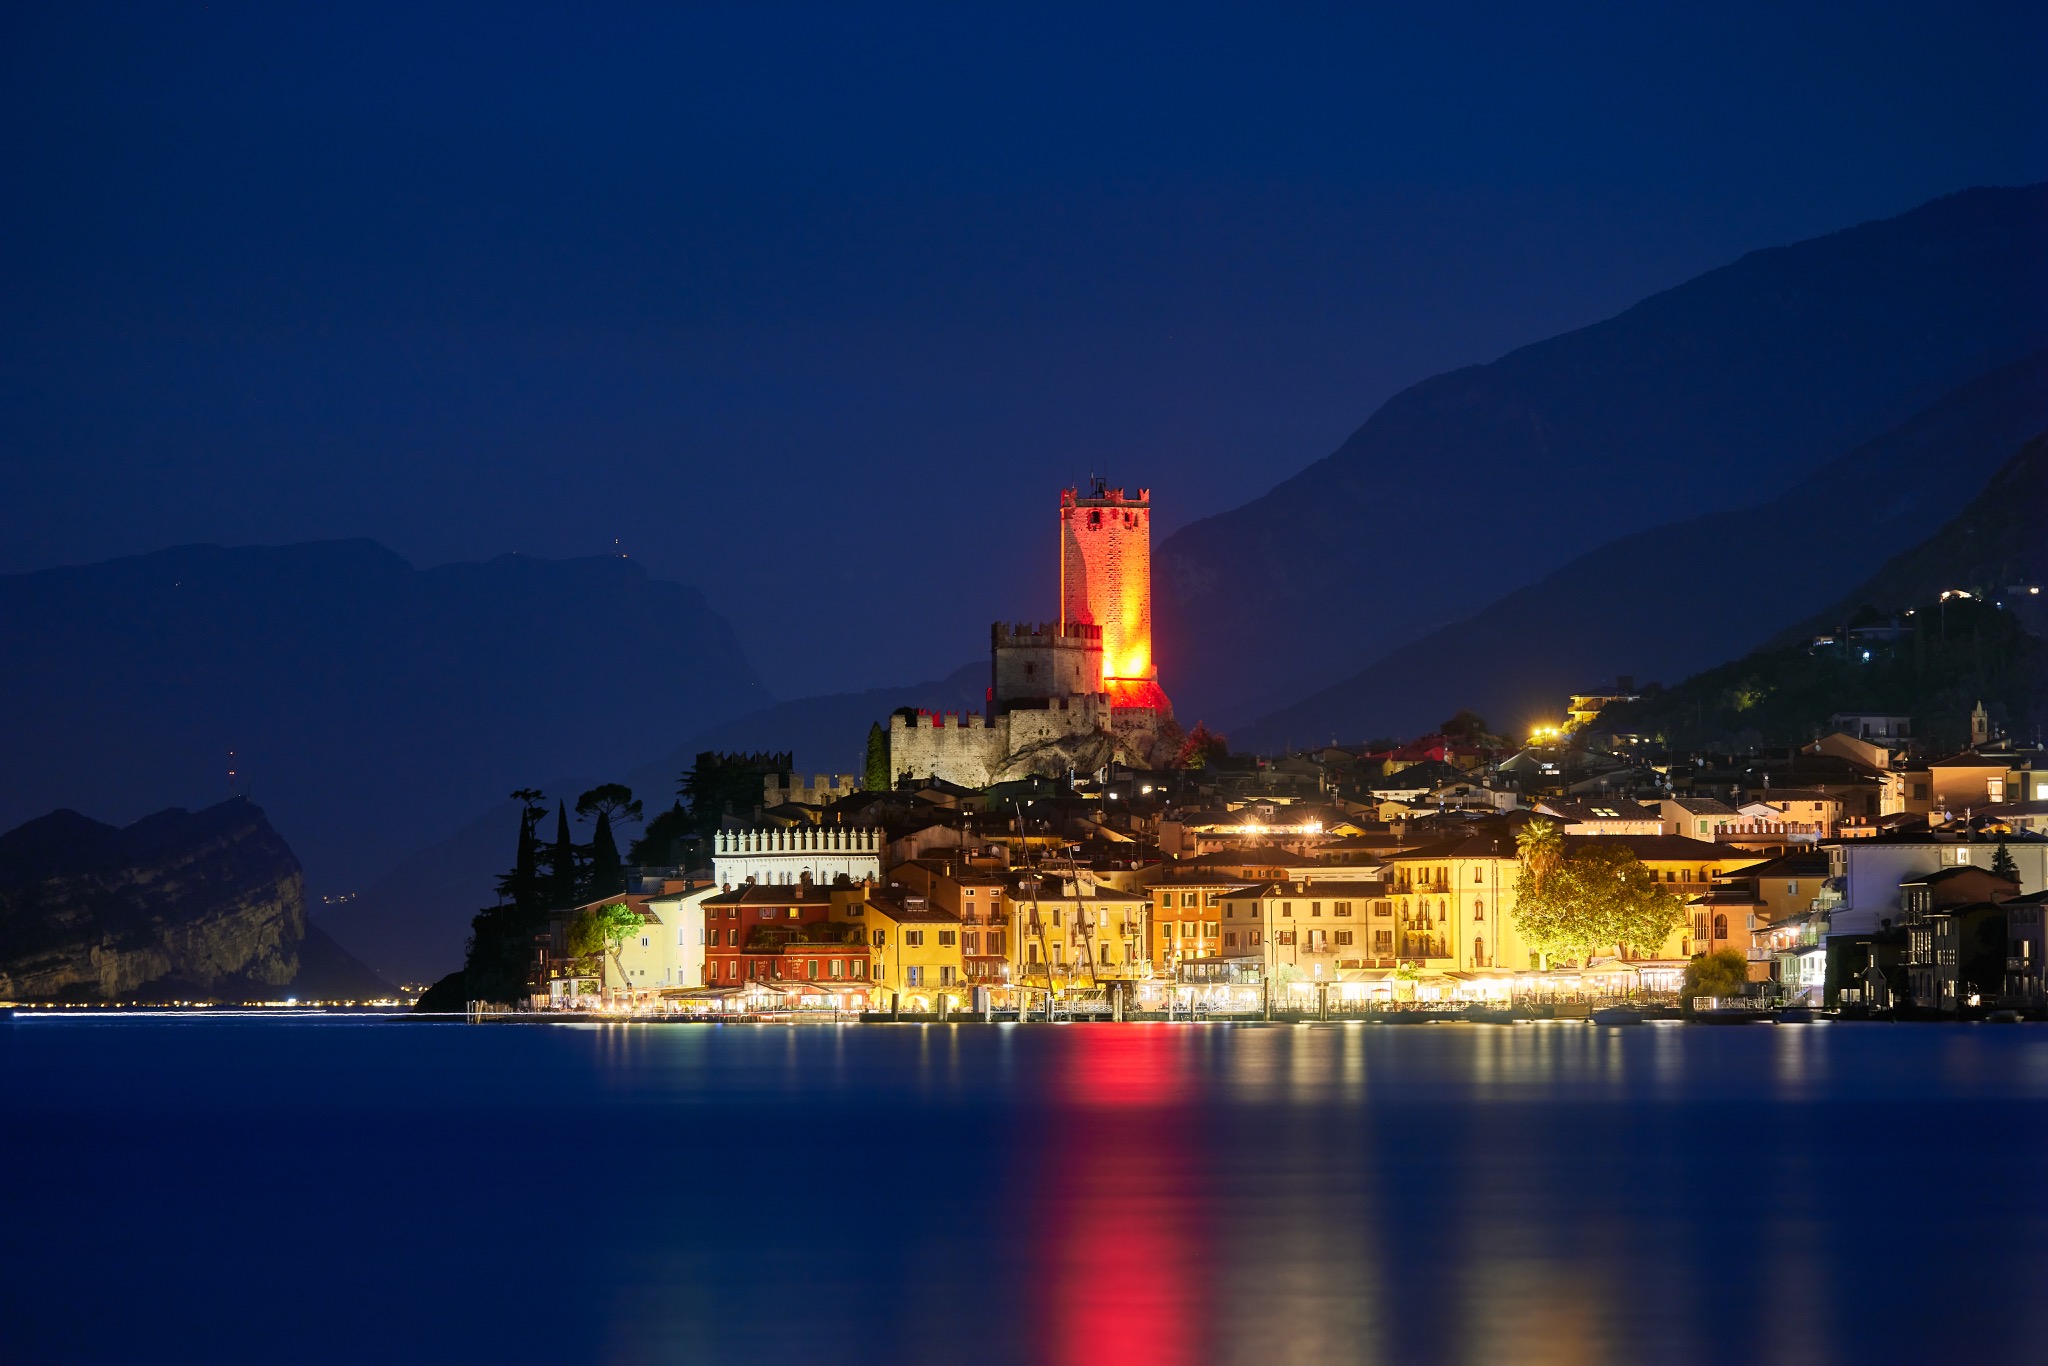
{"x": 180, "y": 905}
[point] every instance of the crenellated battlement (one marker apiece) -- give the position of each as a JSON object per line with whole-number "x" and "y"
{"x": 1045, "y": 634}
{"x": 823, "y": 839}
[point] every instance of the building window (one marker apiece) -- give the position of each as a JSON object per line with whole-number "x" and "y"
{"x": 1382, "y": 941}
{"x": 1187, "y": 898}
{"x": 1315, "y": 909}
{"x": 1287, "y": 909}
{"x": 913, "y": 939}
{"x": 970, "y": 942}
{"x": 945, "y": 977}
{"x": 643, "y": 941}
{"x": 1286, "y": 936}
{"x": 913, "y": 977}
{"x": 1720, "y": 927}
{"x": 860, "y": 967}
{"x": 838, "y": 968}
{"x": 1478, "y": 909}
{"x": 1251, "y": 938}
{"x": 811, "y": 968}
{"x": 1343, "y": 938}
{"x": 1479, "y": 875}
{"x": 945, "y": 939}
{"x": 1343, "y": 908}
{"x": 1230, "y": 939}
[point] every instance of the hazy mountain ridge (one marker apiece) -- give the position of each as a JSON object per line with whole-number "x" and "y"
{"x": 1736, "y": 384}
{"x": 1998, "y": 542}
{"x": 412, "y": 921}
{"x": 1958, "y": 654}
{"x": 368, "y": 703}
{"x": 1665, "y": 603}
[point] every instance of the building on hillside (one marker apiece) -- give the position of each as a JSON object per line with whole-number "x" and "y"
{"x": 1865, "y": 876}
{"x": 1955, "y": 934}
{"x": 784, "y": 858}
{"x": 1892, "y": 734}
{"x": 1584, "y": 708}
{"x": 1603, "y": 817}
{"x": 2026, "y": 962}
{"x": 1694, "y": 817}
{"x": 1967, "y": 782}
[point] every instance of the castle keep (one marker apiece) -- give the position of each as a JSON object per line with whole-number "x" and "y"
{"x": 1070, "y": 694}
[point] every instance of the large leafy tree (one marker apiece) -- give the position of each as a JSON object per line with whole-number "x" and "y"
{"x": 663, "y": 840}
{"x": 1721, "y": 973}
{"x": 607, "y": 875}
{"x": 1201, "y": 745}
{"x": 1597, "y": 898}
{"x": 600, "y": 931}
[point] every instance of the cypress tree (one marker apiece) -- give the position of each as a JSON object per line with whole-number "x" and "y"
{"x": 562, "y": 862}
{"x": 2003, "y": 864}
{"x": 501, "y": 936}
{"x": 607, "y": 875}
{"x": 876, "y": 776}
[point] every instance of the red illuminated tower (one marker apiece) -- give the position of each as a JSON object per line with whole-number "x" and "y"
{"x": 1106, "y": 581}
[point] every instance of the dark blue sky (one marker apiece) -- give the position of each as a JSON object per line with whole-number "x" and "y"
{"x": 804, "y": 304}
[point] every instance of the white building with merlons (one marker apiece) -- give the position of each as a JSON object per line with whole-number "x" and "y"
{"x": 782, "y": 858}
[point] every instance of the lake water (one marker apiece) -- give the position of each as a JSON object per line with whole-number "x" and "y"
{"x": 323, "y": 1190}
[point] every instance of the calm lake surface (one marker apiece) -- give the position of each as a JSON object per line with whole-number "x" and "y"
{"x": 335, "y": 1190}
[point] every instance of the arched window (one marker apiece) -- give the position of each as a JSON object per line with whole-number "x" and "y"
{"x": 1720, "y": 927}
{"x": 1478, "y": 953}
{"x": 1479, "y": 910}
{"x": 1479, "y": 875}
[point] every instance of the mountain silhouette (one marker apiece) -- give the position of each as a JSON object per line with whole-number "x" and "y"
{"x": 370, "y": 706}
{"x": 1720, "y": 393}
{"x": 1664, "y": 603}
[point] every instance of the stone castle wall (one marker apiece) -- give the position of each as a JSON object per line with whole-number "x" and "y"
{"x": 1049, "y": 659}
{"x": 960, "y": 748}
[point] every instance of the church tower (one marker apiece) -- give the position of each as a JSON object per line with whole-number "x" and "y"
{"x": 1106, "y": 582}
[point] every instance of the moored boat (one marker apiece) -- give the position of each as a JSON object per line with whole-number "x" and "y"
{"x": 1616, "y": 1016}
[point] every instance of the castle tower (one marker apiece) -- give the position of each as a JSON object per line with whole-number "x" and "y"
{"x": 1106, "y": 581}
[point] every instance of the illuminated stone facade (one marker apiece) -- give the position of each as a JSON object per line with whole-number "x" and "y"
{"x": 1067, "y": 696}
{"x": 1106, "y": 581}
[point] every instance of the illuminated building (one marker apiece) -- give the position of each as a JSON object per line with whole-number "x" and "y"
{"x": 1066, "y": 696}
{"x": 1068, "y": 935}
{"x": 916, "y": 950}
{"x": 1106, "y": 582}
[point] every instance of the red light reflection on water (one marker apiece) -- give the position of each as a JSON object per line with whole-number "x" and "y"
{"x": 1117, "y": 1251}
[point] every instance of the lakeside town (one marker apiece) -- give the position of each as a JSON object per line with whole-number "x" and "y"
{"x": 1073, "y": 852}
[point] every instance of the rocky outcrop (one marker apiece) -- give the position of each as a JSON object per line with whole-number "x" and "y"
{"x": 180, "y": 905}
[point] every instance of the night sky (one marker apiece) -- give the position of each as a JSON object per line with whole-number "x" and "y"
{"x": 801, "y": 305}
